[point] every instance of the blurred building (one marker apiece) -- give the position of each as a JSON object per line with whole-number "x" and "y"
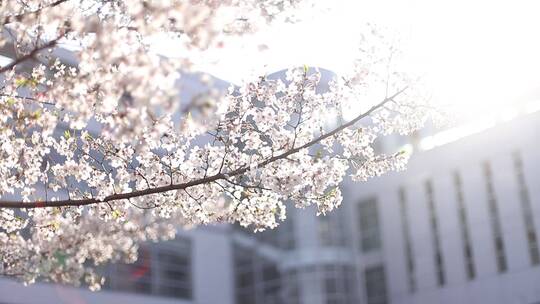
{"x": 461, "y": 225}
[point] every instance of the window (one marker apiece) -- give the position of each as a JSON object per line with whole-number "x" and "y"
{"x": 369, "y": 225}
{"x": 244, "y": 267}
{"x": 332, "y": 232}
{"x": 339, "y": 282}
{"x": 291, "y": 288}
{"x": 464, "y": 228}
{"x": 409, "y": 256}
{"x": 376, "y": 285}
{"x": 326, "y": 283}
{"x": 257, "y": 279}
{"x": 439, "y": 263}
{"x": 493, "y": 210}
{"x": 162, "y": 269}
{"x": 174, "y": 273}
{"x": 136, "y": 277}
{"x": 528, "y": 219}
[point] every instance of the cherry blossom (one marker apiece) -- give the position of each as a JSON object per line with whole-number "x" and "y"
{"x": 97, "y": 154}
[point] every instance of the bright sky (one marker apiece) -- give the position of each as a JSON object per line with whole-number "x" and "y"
{"x": 480, "y": 57}
{"x": 476, "y": 55}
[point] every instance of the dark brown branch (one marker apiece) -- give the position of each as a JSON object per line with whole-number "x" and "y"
{"x": 28, "y": 98}
{"x": 19, "y": 17}
{"x": 205, "y": 180}
{"x": 30, "y": 55}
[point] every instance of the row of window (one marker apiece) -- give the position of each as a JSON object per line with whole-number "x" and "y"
{"x": 409, "y": 257}
{"x": 327, "y": 283}
{"x": 464, "y": 228}
{"x": 370, "y": 235}
{"x": 436, "y": 240}
{"x": 162, "y": 269}
{"x": 375, "y": 280}
{"x": 370, "y": 231}
{"x": 333, "y": 233}
{"x": 534, "y": 251}
{"x": 332, "y": 230}
{"x": 259, "y": 281}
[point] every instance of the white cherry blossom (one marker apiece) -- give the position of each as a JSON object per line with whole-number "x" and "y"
{"x": 97, "y": 153}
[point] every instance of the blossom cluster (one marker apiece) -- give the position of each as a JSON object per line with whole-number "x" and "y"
{"x": 99, "y": 155}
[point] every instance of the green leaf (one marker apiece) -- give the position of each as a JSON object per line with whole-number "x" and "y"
{"x": 37, "y": 114}
{"x": 330, "y": 193}
{"x": 20, "y": 82}
{"x": 116, "y": 214}
{"x": 11, "y": 101}
{"x": 67, "y": 134}
{"x": 60, "y": 257}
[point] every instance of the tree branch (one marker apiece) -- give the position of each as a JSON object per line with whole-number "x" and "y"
{"x": 205, "y": 180}
{"x": 19, "y": 17}
{"x": 30, "y": 55}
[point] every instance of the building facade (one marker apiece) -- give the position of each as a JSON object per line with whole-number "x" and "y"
{"x": 460, "y": 225}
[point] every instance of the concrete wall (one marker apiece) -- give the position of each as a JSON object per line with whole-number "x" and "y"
{"x": 519, "y": 284}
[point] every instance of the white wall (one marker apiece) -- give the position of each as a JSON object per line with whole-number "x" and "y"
{"x": 519, "y": 284}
